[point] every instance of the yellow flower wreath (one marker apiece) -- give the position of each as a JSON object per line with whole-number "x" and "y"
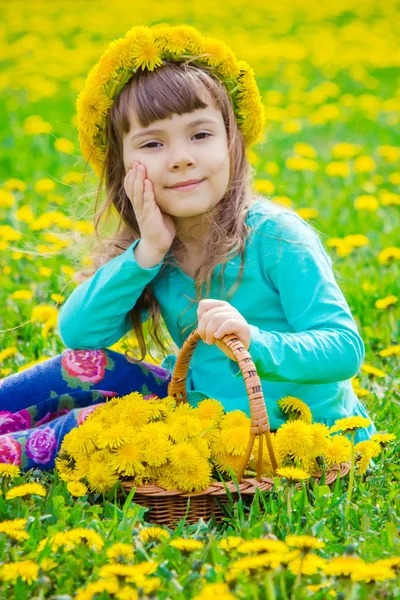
{"x": 145, "y": 47}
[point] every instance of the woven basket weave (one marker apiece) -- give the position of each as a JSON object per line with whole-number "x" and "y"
{"x": 168, "y": 507}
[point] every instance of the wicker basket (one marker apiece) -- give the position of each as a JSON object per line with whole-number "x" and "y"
{"x": 168, "y": 507}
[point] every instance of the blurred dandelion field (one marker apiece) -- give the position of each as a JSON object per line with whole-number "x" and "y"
{"x": 329, "y": 77}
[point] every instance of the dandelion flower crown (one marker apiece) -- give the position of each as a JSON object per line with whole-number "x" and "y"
{"x": 145, "y": 47}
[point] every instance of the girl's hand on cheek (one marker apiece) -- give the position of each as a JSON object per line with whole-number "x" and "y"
{"x": 156, "y": 227}
{"x": 217, "y": 318}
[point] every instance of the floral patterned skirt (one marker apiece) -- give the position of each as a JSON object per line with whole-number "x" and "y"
{"x": 41, "y": 404}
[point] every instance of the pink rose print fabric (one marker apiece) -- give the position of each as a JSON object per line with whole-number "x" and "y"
{"x": 40, "y": 405}
{"x": 14, "y": 421}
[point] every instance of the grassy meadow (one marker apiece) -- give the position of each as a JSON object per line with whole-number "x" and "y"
{"x": 329, "y": 77}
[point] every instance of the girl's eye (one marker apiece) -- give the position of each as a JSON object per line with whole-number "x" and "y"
{"x": 200, "y": 133}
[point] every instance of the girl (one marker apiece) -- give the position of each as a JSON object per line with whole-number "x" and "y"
{"x": 165, "y": 119}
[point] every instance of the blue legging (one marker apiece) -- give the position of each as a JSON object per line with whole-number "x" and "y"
{"x": 41, "y": 404}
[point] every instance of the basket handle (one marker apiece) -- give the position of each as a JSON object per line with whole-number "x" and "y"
{"x": 258, "y": 410}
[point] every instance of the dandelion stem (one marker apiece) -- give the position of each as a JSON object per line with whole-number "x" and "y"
{"x": 382, "y": 474}
{"x": 289, "y": 503}
{"x": 269, "y": 586}
{"x": 282, "y": 586}
{"x": 352, "y": 591}
{"x": 298, "y": 579}
{"x": 351, "y": 478}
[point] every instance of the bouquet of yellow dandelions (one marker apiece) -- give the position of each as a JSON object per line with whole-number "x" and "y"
{"x": 152, "y": 440}
{"x": 177, "y": 446}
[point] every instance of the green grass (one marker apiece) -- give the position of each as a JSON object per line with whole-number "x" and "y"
{"x": 364, "y": 71}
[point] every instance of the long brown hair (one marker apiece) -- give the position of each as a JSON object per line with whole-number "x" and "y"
{"x": 173, "y": 88}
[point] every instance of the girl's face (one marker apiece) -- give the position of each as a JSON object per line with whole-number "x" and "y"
{"x": 181, "y": 150}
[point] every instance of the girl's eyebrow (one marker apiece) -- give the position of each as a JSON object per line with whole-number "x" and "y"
{"x": 149, "y": 131}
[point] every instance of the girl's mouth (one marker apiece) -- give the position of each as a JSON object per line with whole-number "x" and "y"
{"x": 191, "y": 186}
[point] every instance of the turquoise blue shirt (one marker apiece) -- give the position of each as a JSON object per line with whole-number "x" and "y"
{"x": 304, "y": 340}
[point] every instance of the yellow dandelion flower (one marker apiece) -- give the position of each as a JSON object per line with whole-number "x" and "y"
{"x": 230, "y": 543}
{"x": 146, "y": 55}
{"x": 338, "y": 450}
{"x": 227, "y": 462}
{"x": 109, "y": 585}
{"x": 26, "y": 489}
{"x": 127, "y": 459}
{"x": 390, "y": 351}
{"x": 309, "y": 564}
{"x": 209, "y": 409}
{"x": 342, "y": 566}
{"x": 100, "y": 477}
{"x": 235, "y": 440}
{"x": 350, "y": 424}
{"x": 304, "y": 542}
{"x": 235, "y": 418}
{"x": 186, "y": 545}
{"x": 365, "y": 202}
{"x": 294, "y": 438}
{"x": 388, "y": 255}
{"x": 292, "y": 474}
{"x": 321, "y": 439}
{"x": 259, "y": 562}
{"x": 372, "y": 572}
{"x": 15, "y": 529}
{"x": 305, "y": 150}
{"x": 82, "y": 439}
{"x": 26, "y": 569}
{"x": 157, "y": 452}
{"x": 202, "y": 446}
{"x": 77, "y": 489}
{"x": 64, "y": 145}
{"x": 307, "y": 213}
{"x": 150, "y": 431}
{"x": 196, "y": 480}
{"x": 372, "y": 370}
{"x": 183, "y": 424}
{"x": 383, "y": 438}
{"x": 133, "y": 409}
{"x": 384, "y": 303}
{"x": 215, "y": 590}
{"x": 55, "y": 542}
{"x": 183, "y": 456}
{"x": 119, "y": 552}
{"x": 7, "y": 470}
{"x": 116, "y": 435}
{"x": 369, "y": 447}
{"x": 392, "y": 563}
{"x": 356, "y": 240}
{"x": 364, "y": 164}
{"x": 295, "y": 409}
{"x": 15, "y": 185}
{"x": 92, "y": 538}
{"x": 153, "y": 534}
{"x": 46, "y": 564}
{"x": 337, "y": 168}
{"x": 363, "y": 463}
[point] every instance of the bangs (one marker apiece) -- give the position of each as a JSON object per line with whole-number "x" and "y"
{"x": 175, "y": 88}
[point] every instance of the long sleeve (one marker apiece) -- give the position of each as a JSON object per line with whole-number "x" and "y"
{"x": 96, "y": 313}
{"x": 324, "y": 346}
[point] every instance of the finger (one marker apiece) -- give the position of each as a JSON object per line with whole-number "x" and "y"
{"x": 138, "y": 187}
{"x": 210, "y": 323}
{"x": 129, "y": 181}
{"x": 224, "y": 322}
{"x": 207, "y": 304}
{"x": 148, "y": 192}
